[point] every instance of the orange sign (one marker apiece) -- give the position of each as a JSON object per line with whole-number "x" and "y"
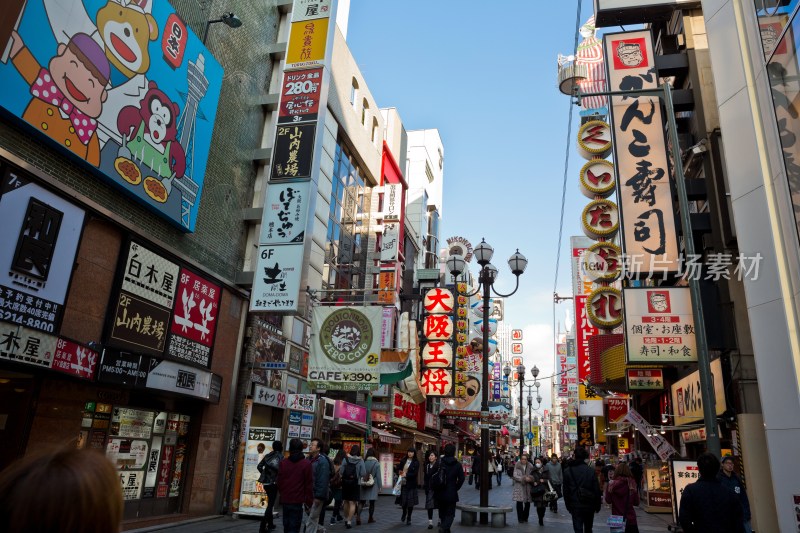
{"x": 307, "y": 42}
{"x": 516, "y": 347}
{"x": 516, "y": 334}
{"x": 516, "y": 361}
{"x": 386, "y": 287}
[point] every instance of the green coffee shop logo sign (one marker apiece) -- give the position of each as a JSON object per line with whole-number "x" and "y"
{"x": 346, "y": 336}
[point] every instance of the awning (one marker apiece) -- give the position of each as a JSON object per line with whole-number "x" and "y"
{"x": 385, "y": 436}
{"x": 420, "y": 436}
{"x": 350, "y": 425}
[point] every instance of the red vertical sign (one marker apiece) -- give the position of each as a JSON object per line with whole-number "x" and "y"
{"x": 583, "y": 330}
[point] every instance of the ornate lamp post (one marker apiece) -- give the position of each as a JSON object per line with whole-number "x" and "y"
{"x": 486, "y": 278}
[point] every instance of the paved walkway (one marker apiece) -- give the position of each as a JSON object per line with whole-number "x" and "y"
{"x": 387, "y": 516}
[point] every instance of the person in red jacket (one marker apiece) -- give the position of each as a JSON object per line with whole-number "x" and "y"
{"x": 623, "y": 495}
{"x": 295, "y": 485}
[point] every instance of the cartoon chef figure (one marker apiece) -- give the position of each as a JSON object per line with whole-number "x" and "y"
{"x": 68, "y": 95}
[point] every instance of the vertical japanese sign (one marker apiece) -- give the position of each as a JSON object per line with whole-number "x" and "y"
{"x": 194, "y": 320}
{"x": 645, "y": 198}
{"x": 659, "y": 325}
{"x": 142, "y": 307}
{"x": 393, "y": 202}
{"x": 37, "y": 252}
{"x": 436, "y": 378}
{"x": 252, "y": 498}
{"x": 294, "y": 166}
{"x": 561, "y": 351}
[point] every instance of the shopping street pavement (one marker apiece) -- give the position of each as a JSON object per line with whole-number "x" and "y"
{"x": 387, "y": 516}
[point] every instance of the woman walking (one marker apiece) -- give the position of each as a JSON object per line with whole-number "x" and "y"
{"x": 409, "y": 468}
{"x": 336, "y": 486}
{"x": 623, "y": 495}
{"x": 432, "y": 466}
{"x": 352, "y": 470}
{"x": 369, "y": 485}
{"x": 523, "y": 477}
{"x": 538, "y": 488}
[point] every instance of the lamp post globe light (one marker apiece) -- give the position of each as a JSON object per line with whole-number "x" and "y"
{"x": 488, "y": 274}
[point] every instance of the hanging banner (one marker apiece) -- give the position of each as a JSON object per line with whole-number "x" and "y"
{"x": 659, "y": 325}
{"x": 276, "y": 285}
{"x": 660, "y": 445}
{"x": 585, "y": 431}
{"x": 345, "y": 348}
{"x": 390, "y": 243}
{"x": 37, "y": 253}
{"x": 640, "y": 152}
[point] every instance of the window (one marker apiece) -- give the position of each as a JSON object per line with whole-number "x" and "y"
{"x": 354, "y": 93}
{"x": 364, "y": 110}
{"x": 374, "y": 130}
{"x": 428, "y": 172}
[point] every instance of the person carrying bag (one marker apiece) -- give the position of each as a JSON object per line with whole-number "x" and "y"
{"x": 623, "y": 495}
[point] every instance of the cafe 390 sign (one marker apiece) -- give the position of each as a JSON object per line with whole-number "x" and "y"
{"x": 345, "y": 351}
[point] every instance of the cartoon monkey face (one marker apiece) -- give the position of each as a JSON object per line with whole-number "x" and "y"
{"x": 77, "y": 82}
{"x": 630, "y": 54}
{"x": 126, "y": 32}
{"x": 160, "y": 121}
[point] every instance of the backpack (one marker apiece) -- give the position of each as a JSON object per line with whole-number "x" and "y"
{"x": 350, "y": 476}
{"x": 336, "y": 477}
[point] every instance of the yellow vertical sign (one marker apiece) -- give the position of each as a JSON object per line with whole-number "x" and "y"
{"x": 307, "y": 42}
{"x": 535, "y": 431}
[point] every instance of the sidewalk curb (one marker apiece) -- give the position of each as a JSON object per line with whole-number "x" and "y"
{"x": 171, "y": 525}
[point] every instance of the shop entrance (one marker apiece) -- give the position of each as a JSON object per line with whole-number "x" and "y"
{"x": 16, "y": 404}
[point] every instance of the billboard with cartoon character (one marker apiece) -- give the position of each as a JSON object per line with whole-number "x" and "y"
{"x": 123, "y": 85}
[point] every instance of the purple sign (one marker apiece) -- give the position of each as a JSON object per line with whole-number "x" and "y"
{"x": 350, "y": 411}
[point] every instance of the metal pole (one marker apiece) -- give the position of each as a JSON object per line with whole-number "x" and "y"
{"x": 530, "y": 421}
{"x": 487, "y": 284}
{"x": 703, "y": 363}
{"x": 521, "y": 417}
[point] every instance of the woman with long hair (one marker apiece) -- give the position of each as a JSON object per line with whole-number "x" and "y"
{"x": 521, "y": 493}
{"x": 369, "y": 493}
{"x": 431, "y": 467}
{"x": 409, "y": 468}
{"x": 623, "y": 495}
{"x": 336, "y": 486}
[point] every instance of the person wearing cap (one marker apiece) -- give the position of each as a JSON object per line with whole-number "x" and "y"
{"x": 707, "y": 506}
{"x": 729, "y": 479}
{"x": 68, "y": 95}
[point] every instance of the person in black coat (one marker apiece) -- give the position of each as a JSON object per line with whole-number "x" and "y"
{"x": 446, "y": 494}
{"x": 431, "y": 466}
{"x": 409, "y": 468}
{"x": 268, "y": 469}
{"x": 707, "y": 506}
{"x": 582, "y": 495}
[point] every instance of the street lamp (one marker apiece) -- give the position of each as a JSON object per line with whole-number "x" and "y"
{"x": 230, "y": 20}
{"x": 530, "y": 418}
{"x": 521, "y": 378}
{"x": 488, "y": 274}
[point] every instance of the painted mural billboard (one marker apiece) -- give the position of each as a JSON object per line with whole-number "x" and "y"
{"x": 123, "y": 85}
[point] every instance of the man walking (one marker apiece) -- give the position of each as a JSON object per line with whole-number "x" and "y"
{"x": 638, "y": 471}
{"x": 732, "y": 482}
{"x": 445, "y": 483}
{"x": 295, "y": 484}
{"x": 321, "y": 477}
{"x": 556, "y": 474}
{"x": 707, "y": 506}
{"x": 582, "y": 495}
{"x": 268, "y": 467}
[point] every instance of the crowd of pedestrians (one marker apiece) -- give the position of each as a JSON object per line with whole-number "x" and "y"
{"x": 307, "y": 482}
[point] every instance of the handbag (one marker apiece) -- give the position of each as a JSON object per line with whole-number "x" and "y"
{"x": 370, "y": 481}
{"x": 539, "y": 489}
{"x": 550, "y": 495}
{"x": 398, "y": 487}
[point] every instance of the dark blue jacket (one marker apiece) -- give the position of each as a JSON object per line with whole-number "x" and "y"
{"x": 735, "y": 485}
{"x": 321, "y": 474}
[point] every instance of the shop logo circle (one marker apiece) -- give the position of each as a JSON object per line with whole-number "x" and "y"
{"x": 346, "y": 336}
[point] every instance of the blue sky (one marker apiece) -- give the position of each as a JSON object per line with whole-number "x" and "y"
{"x": 485, "y": 75}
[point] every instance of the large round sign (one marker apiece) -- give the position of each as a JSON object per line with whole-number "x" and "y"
{"x": 346, "y": 336}
{"x": 597, "y": 178}
{"x": 600, "y": 219}
{"x": 439, "y": 301}
{"x": 602, "y": 262}
{"x": 594, "y": 139}
{"x": 604, "y": 307}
